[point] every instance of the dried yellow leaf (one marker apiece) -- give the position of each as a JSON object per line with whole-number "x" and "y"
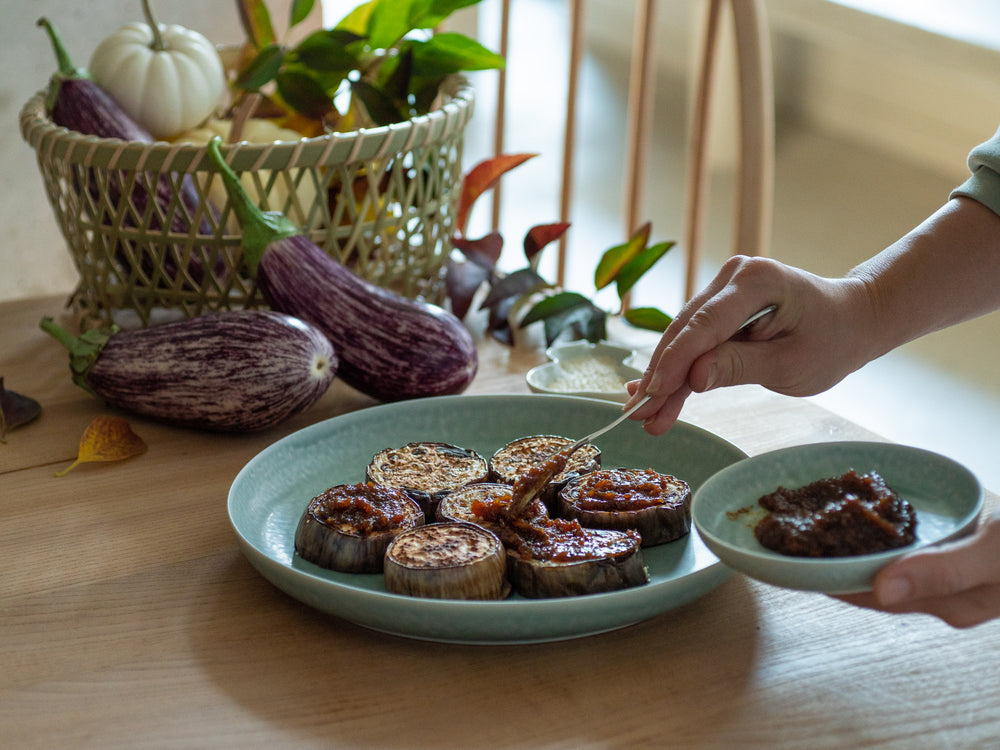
{"x": 107, "y": 439}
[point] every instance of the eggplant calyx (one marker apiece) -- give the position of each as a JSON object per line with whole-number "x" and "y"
{"x": 84, "y": 350}
{"x": 260, "y": 228}
{"x": 67, "y": 70}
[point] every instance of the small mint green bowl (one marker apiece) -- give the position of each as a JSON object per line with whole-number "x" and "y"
{"x": 947, "y": 497}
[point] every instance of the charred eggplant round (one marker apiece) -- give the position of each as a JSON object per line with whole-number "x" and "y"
{"x": 349, "y": 527}
{"x": 447, "y": 561}
{"x": 427, "y": 471}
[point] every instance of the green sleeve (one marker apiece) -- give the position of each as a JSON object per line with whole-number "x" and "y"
{"x": 984, "y": 183}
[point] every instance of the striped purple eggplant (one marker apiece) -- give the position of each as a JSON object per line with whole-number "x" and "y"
{"x": 390, "y": 347}
{"x": 235, "y": 371}
{"x": 78, "y": 103}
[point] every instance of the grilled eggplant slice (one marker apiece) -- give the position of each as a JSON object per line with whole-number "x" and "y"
{"x": 556, "y": 557}
{"x": 485, "y": 504}
{"x": 427, "y": 471}
{"x": 349, "y": 527}
{"x": 447, "y": 561}
{"x": 656, "y": 505}
{"x": 520, "y": 457}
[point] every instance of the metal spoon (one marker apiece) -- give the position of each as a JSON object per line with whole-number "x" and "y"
{"x": 530, "y": 484}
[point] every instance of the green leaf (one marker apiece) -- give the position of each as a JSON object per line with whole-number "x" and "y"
{"x": 616, "y": 257}
{"x": 556, "y": 304}
{"x": 262, "y": 69}
{"x": 450, "y": 52}
{"x": 358, "y": 19}
{"x": 327, "y": 50}
{"x": 256, "y": 21}
{"x": 634, "y": 269}
{"x": 381, "y": 109}
{"x": 436, "y": 11}
{"x": 304, "y": 93}
{"x": 648, "y": 318}
{"x": 389, "y": 22}
{"x": 299, "y": 11}
{"x": 576, "y": 313}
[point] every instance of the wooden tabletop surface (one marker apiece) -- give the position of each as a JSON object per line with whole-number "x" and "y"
{"x": 130, "y": 618}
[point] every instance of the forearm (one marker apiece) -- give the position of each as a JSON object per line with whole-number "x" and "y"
{"x": 945, "y": 271}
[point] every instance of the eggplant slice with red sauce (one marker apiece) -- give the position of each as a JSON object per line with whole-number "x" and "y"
{"x": 656, "y": 505}
{"x": 485, "y": 504}
{"x": 348, "y": 527}
{"x": 520, "y": 457}
{"x": 556, "y": 557}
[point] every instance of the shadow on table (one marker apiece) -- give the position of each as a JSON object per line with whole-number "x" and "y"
{"x": 319, "y": 678}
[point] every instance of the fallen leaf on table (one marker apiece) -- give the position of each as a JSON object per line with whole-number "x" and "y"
{"x": 15, "y": 410}
{"x": 107, "y": 439}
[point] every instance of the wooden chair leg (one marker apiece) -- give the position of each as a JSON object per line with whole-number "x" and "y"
{"x": 755, "y": 196}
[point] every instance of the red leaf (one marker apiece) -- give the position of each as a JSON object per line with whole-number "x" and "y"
{"x": 462, "y": 282}
{"x": 538, "y": 237}
{"x": 481, "y": 178}
{"x": 485, "y": 251}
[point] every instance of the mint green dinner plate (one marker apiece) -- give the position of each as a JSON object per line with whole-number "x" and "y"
{"x": 946, "y": 496}
{"x": 270, "y": 493}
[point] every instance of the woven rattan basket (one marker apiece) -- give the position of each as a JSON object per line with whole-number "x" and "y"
{"x": 381, "y": 201}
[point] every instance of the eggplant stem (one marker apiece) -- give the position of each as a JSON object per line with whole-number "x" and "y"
{"x": 66, "y": 67}
{"x": 83, "y": 350}
{"x": 259, "y": 228}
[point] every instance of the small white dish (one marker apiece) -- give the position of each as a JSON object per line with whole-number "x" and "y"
{"x": 946, "y": 496}
{"x": 585, "y": 369}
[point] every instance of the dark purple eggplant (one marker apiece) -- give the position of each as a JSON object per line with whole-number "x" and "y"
{"x": 78, "y": 103}
{"x": 391, "y": 347}
{"x": 235, "y": 371}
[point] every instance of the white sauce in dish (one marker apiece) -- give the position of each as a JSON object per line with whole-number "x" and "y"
{"x": 594, "y": 374}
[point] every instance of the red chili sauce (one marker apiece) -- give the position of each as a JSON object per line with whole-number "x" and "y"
{"x": 538, "y": 476}
{"x": 558, "y": 540}
{"x": 492, "y": 508}
{"x": 367, "y": 507}
{"x": 836, "y": 517}
{"x": 618, "y": 489}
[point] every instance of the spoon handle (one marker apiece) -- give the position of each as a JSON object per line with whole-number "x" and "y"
{"x": 625, "y": 415}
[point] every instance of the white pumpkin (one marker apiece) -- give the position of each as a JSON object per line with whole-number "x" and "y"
{"x": 169, "y": 79}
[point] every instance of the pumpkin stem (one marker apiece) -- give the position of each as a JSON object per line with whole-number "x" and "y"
{"x": 157, "y": 44}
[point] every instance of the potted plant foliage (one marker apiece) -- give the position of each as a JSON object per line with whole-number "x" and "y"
{"x": 355, "y": 133}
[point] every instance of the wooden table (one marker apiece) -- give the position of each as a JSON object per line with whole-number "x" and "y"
{"x": 129, "y": 618}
